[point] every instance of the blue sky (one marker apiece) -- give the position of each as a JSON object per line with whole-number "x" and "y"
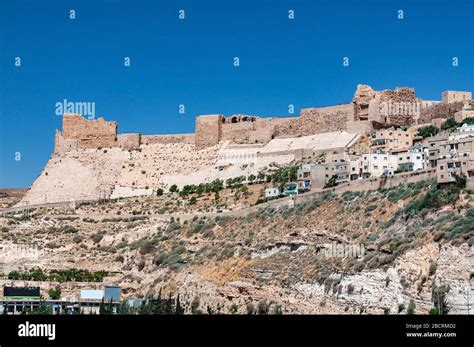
{"x": 190, "y": 61}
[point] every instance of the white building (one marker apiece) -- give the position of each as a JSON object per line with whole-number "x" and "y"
{"x": 272, "y": 192}
{"x": 411, "y": 159}
{"x": 378, "y": 164}
{"x": 462, "y": 132}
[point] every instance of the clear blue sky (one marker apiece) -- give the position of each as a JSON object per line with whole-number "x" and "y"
{"x": 190, "y": 61}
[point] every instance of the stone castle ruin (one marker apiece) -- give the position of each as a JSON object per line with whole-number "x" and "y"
{"x": 369, "y": 110}
{"x": 92, "y": 160}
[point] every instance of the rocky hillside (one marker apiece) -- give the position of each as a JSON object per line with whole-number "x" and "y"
{"x": 377, "y": 252}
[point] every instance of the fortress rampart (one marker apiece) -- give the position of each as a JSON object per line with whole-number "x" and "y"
{"x": 368, "y": 110}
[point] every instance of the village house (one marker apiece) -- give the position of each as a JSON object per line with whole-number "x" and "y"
{"x": 390, "y": 139}
{"x": 466, "y": 130}
{"x": 312, "y": 176}
{"x": 449, "y": 168}
{"x": 271, "y": 193}
{"x": 411, "y": 159}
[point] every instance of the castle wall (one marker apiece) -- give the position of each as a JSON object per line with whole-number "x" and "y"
{"x": 441, "y": 110}
{"x": 129, "y": 141}
{"x": 89, "y": 133}
{"x": 317, "y": 120}
{"x": 361, "y": 127}
{"x": 451, "y": 96}
{"x": 208, "y": 130}
{"x": 255, "y": 130}
{"x": 164, "y": 139}
{"x": 62, "y": 145}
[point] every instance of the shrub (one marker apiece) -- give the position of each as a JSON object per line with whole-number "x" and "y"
{"x": 171, "y": 259}
{"x": 78, "y": 238}
{"x": 54, "y": 293}
{"x": 147, "y": 247}
{"x": 432, "y": 269}
{"x": 263, "y": 307}
{"x": 97, "y": 237}
{"x": 450, "y": 123}
{"x": 427, "y": 131}
{"x": 462, "y": 226}
{"x": 250, "y": 308}
{"x": 141, "y": 265}
{"x": 411, "y": 307}
{"x": 173, "y": 226}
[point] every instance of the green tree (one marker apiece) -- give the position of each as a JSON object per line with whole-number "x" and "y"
{"x": 174, "y": 188}
{"x": 439, "y": 298}
{"x": 179, "y": 309}
{"x": 159, "y": 192}
{"x": 252, "y": 178}
{"x": 124, "y": 308}
{"x": 54, "y": 293}
{"x": 42, "y": 309}
{"x": 200, "y": 189}
{"x": 193, "y": 200}
{"x": 195, "y": 306}
{"x": 468, "y": 121}
{"x": 450, "y": 123}
{"x": 263, "y": 307}
{"x": 427, "y": 131}
{"x": 145, "y": 308}
{"x": 106, "y": 308}
{"x": 331, "y": 182}
{"x": 411, "y": 307}
{"x": 461, "y": 180}
{"x": 233, "y": 309}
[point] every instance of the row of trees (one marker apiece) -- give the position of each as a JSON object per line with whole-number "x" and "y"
{"x": 450, "y": 123}
{"x": 69, "y": 275}
{"x": 278, "y": 176}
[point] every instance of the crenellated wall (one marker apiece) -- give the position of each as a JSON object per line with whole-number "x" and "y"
{"x": 369, "y": 110}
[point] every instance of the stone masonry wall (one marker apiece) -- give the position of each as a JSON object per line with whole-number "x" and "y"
{"x": 208, "y": 130}
{"x": 258, "y": 130}
{"x": 317, "y": 120}
{"x": 129, "y": 141}
{"x": 89, "y": 133}
{"x": 164, "y": 139}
